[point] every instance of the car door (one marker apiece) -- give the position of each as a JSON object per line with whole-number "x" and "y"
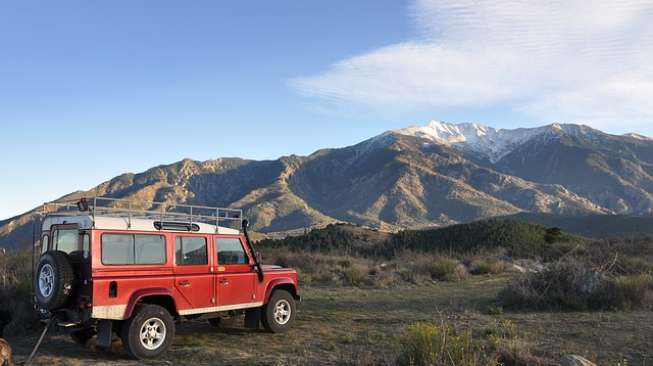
{"x": 193, "y": 275}
{"x": 235, "y": 275}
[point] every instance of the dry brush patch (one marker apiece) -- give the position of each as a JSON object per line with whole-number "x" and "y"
{"x": 576, "y": 285}
{"x": 325, "y": 269}
{"x": 445, "y": 344}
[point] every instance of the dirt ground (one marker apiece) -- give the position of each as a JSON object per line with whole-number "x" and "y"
{"x": 337, "y": 325}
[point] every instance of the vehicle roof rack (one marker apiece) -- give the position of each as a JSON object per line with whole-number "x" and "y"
{"x": 163, "y": 212}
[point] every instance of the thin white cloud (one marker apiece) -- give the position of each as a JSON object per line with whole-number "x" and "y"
{"x": 574, "y": 60}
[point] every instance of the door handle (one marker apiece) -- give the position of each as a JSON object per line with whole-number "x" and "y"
{"x": 184, "y": 283}
{"x": 224, "y": 281}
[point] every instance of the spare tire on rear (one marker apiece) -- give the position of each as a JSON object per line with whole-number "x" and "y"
{"x": 54, "y": 280}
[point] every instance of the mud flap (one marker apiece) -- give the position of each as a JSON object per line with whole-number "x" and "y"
{"x": 104, "y": 333}
{"x": 252, "y": 318}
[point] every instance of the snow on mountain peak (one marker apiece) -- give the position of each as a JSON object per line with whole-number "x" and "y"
{"x": 489, "y": 142}
{"x": 639, "y": 137}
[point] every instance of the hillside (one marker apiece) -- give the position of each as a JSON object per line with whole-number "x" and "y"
{"x": 593, "y": 226}
{"x": 414, "y": 178}
{"x": 520, "y": 239}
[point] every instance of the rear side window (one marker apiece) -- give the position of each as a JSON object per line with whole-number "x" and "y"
{"x": 128, "y": 249}
{"x": 230, "y": 251}
{"x": 45, "y": 242}
{"x": 190, "y": 250}
{"x": 66, "y": 240}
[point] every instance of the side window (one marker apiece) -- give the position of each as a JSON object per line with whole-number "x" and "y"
{"x": 117, "y": 249}
{"x": 230, "y": 251}
{"x": 66, "y": 240}
{"x": 86, "y": 244}
{"x": 149, "y": 249}
{"x": 190, "y": 250}
{"x": 45, "y": 242}
{"x": 129, "y": 249}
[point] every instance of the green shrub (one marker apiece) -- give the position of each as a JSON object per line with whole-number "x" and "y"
{"x": 633, "y": 265}
{"x": 17, "y": 317}
{"x": 438, "y": 268}
{"x": 354, "y": 275}
{"x": 426, "y": 344}
{"x": 628, "y": 292}
{"x": 487, "y": 266}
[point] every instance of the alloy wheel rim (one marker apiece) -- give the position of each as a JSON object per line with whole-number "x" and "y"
{"x": 46, "y": 280}
{"x": 152, "y": 334}
{"x": 282, "y": 312}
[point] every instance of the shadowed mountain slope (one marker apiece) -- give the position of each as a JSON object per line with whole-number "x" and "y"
{"x": 418, "y": 177}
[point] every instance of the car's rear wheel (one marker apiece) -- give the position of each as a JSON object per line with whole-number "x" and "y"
{"x": 279, "y": 313}
{"x": 149, "y": 332}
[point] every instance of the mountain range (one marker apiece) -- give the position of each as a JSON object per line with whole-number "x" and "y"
{"x": 416, "y": 177}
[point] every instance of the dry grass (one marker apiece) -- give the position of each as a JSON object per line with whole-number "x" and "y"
{"x": 362, "y": 326}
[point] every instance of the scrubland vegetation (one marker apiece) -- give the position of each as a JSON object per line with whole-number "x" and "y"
{"x": 545, "y": 269}
{"x": 16, "y": 313}
{"x": 417, "y": 298}
{"x": 553, "y": 270}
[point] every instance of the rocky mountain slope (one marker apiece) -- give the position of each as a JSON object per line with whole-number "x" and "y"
{"x": 416, "y": 177}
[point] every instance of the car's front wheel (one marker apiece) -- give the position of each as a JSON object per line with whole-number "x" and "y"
{"x": 279, "y": 313}
{"x": 149, "y": 332}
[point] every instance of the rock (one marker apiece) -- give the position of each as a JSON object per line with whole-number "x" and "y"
{"x": 516, "y": 268}
{"x": 575, "y": 360}
{"x": 527, "y": 266}
{"x": 6, "y": 357}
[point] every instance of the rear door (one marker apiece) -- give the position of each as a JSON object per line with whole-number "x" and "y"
{"x": 235, "y": 275}
{"x": 193, "y": 276}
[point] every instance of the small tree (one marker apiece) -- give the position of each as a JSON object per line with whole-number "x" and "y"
{"x": 553, "y": 235}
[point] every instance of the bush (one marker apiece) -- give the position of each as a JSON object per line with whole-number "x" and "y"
{"x": 509, "y": 348}
{"x": 573, "y": 285}
{"x": 443, "y": 344}
{"x": 438, "y": 268}
{"x": 425, "y": 344}
{"x": 354, "y": 275}
{"x": 17, "y": 317}
{"x": 487, "y": 266}
{"x": 633, "y": 265}
{"x": 628, "y": 292}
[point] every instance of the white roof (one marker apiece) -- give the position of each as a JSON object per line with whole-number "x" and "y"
{"x": 123, "y": 223}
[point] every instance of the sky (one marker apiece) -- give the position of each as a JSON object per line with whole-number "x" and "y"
{"x": 90, "y": 90}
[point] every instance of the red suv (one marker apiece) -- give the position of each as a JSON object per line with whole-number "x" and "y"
{"x": 111, "y": 266}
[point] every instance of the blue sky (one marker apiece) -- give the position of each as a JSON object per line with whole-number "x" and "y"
{"x": 89, "y": 90}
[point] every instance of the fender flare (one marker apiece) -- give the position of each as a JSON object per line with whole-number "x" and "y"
{"x": 276, "y": 283}
{"x": 142, "y": 293}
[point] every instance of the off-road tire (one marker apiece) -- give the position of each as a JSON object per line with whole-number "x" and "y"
{"x": 131, "y": 331}
{"x": 63, "y": 280}
{"x": 82, "y": 336}
{"x": 268, "y": 318}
